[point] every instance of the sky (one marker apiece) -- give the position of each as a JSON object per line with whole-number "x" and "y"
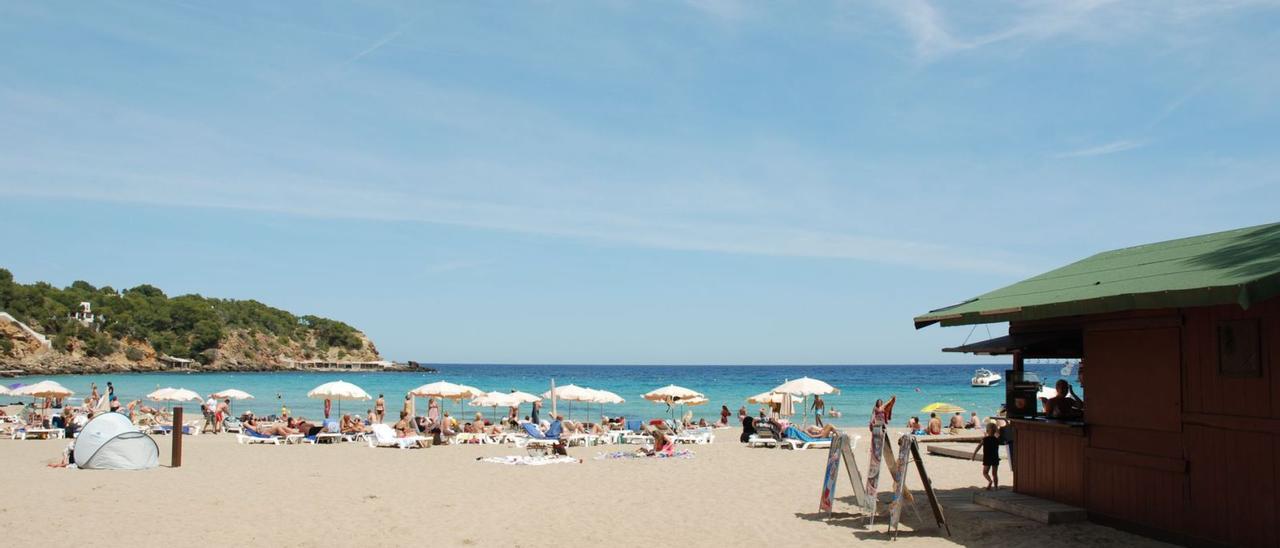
{"x": 700, "y": 182}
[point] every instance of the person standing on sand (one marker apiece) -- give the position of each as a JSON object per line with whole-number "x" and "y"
{"x": 221, "y": 413}
{"x": 990, "y": 447}
{"x": 742, "y": 413}
{"x": 433, "y": 412}
{"x": 380, "y": 408}
{"x": 408, "y": 404}
{"x": 818, "y": 407}
{"x": 724, "y": 415}
{"x": 93, "y": 395}
{"x": 210, "y": 407}
{"x": 537, "y": 406}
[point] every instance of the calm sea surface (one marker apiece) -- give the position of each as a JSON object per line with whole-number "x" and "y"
{"x": 860, "y": 385}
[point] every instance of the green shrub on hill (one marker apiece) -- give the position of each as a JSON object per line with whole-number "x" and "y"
{"x": 182, "y": 326}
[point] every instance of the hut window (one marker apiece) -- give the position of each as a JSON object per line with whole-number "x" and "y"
{"x": 1239, "y": 349}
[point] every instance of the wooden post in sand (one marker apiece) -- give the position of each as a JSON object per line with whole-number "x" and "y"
{"x": 176, "y": 460}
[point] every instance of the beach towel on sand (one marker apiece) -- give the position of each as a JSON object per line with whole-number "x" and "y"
{"x": 679, "y": 454}
{"x": 529, "y": 461}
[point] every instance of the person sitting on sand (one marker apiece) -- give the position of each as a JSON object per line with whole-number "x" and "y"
{"x": 724, "y": 416}
{"x": 957, "y": 422}
{"x": 702, "y": 423}
{"x": 824, "y": 431}
{"x": 935, "y": 425}
{"x": 742, "y": 413}
{"x": 973, "y": 423}
{"x": 662, "y": 445}
{"x": 913, "y": 426}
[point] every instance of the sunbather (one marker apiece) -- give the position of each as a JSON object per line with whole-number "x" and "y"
{"x": 662, "y": 445}
{"x": 821, "y": 431}
{"x": 270, "y": 429}
{"x": 404, "y": 428}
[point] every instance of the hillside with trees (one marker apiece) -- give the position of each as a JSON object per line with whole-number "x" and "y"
{"x": 134, "y": 327}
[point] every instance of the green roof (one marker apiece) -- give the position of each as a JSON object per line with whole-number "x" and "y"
{"x": 1239, "y": 266}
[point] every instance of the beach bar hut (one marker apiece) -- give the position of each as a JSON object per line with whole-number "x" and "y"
{"x": 1180, "y": 433}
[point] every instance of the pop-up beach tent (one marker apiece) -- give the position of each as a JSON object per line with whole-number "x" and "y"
{"x": 111, "y": 442}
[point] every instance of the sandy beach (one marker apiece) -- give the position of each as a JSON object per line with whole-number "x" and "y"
{"x": 350, "y": 494}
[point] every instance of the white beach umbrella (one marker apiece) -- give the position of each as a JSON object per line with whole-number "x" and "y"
{"x": 804, "y": 387}
{"x": 446, "y": 390}
{"x": 233, "y": 394}
{"x": 339, "y": 390}
{"x": 766, "y": 398}
{"x": 569, "y": 393}
{"x": 700, "y": 400}
{"x": 494, "y": 400}
{"x": 672, "y": 394}
{"x": 174, "y": 394}
{"x": 604, "y": 396}
{"x": 42, "y": 389}
{"x": 525, "y": 397}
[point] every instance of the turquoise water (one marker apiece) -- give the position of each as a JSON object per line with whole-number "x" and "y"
{"x": 860, "y": 385}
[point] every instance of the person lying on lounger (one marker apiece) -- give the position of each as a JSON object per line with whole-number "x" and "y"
{"x": 820, "y": 431}
{"x": 270, "y": 429}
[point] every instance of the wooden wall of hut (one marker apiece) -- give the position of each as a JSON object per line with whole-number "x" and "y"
{"x": 1174, "y": 444}
{"x": 1231, "y": 424}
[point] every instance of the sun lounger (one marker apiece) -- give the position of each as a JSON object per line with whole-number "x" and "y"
{"x": 695, "y": 435}
{"x": 796, "y": 438}
{"x": 384, "y": 436}
{"x": 536, "y": 438}
{"x": 44, "y": 433}
{"x": 250, "y": 436}
{"x": 766, "y": 436}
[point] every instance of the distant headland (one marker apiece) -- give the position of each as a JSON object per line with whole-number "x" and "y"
{"x": 85, "y": 329}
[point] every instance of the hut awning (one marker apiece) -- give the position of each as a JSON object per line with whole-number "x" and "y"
{"x": 1057, "y": 344}
{"x": 1239, "y": 266}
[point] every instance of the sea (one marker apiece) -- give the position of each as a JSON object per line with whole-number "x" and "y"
{"x": 916, "y": 386}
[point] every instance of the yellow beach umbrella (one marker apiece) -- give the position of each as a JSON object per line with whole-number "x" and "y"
{"x": 941, "y": 407}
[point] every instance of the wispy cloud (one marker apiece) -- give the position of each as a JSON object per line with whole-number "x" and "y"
{"x": 381, "y": 42}
{"x": 1113, "y": 147}
{"x": 935, "y": 35}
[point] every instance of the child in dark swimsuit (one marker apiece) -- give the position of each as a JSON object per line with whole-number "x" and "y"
{"x": 990, "y": 447}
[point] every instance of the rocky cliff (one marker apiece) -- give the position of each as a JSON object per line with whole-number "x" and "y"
{"x": 239, "y": 350}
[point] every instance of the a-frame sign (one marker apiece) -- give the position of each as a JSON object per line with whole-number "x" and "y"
{"x": 908, "y": 450}
{"x": 841, "y": 450}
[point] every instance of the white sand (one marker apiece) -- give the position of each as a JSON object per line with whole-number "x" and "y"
{"x": 227, "y": 494}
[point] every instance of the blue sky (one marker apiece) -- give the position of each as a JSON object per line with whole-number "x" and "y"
{"x": 626, "y": 182}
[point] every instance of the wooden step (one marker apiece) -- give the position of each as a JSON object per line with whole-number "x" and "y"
{"x": 1037, "y": 509}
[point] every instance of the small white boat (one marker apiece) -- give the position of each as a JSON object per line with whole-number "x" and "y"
{"x": 984, "y": 378}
